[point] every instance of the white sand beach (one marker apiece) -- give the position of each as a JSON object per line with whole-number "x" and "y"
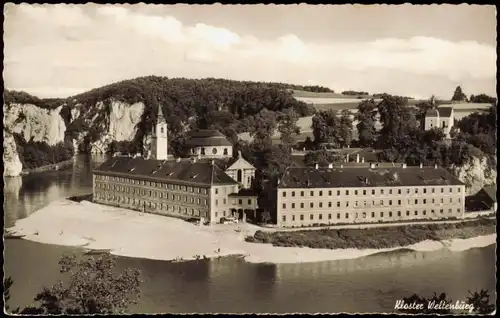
{"x": 140, "y": 235}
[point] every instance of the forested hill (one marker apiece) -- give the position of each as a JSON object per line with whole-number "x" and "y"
{"x": 227, "y": 105}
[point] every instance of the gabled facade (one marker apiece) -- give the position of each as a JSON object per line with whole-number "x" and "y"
{"x": 440, "y": 117}
{"x": 241, "y": 171}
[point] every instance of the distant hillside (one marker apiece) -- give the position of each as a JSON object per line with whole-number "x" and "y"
{"x": 123, "y": 112}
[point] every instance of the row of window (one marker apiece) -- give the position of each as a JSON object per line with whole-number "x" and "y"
{"x": 373, "y": 191}
{"x": 240, "y": 202}
{"x": 364, "y": 215}
{"x": 226, "y": 190}
{"x": 148, "y": 204}
{"x": 382, "y": 203}
{"x": 152, "y": 184}
{"x": 214, "y": 151}
{"x": 156, "y": 194}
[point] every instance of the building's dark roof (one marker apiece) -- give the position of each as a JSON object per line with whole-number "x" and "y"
{"x": 222, "y": 163}
{"x": 204, "y": 133}
{"x": 298, "y": 161}
{"x": 244, "y": 193}
{"x": 491, "y": 192}
{"x": 366, "y": 177}
{"x": 184, "y": 171}
{"x": 484, "y": 199}
{"x": 207, "y": 138}
{"x": 445, "y": 111}
{"x": 432, "y": 112}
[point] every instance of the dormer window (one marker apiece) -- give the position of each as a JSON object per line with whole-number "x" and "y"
{"x": 225, "y": 151}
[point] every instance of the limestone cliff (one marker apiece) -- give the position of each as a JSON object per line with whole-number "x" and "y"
{"x": 476, "y": 174}
{"x": 121, "y": 125}
{"x": 98, "y": 124}
{"x": 33, "y": 122}
{"x": 105, "y": 122}
{"x": 11, "y": 162}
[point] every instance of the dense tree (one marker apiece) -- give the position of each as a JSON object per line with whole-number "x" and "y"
{"x": 325, "y": 126}
{"x": 458, "y": 95}
{"x": 482, "y": 98}
{"x": 345, "y": 128}
{"x": 366, "y": 117}
{"x": 262, "y": 128}
{"x": 94, "y": 287}
{"x": 287, "y": 126}
{"x": 397, "y": 119}
{"x": 321, "y": 157}
{"x": 355, "y": 93}
{"x": 35, "y": 154}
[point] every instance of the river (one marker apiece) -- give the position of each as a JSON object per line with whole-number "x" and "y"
{"x": 370, "y": 284}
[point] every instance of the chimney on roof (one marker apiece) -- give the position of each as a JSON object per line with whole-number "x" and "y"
{"x": 372, "y": 165}
{"x": 212, "y": 162}
{"x": 316, "y": 166}
{"x": 421, "y": 165}
{"x": 363, "y": 160}
{"x": 357, "y": 158}
{"x": 239, "y": 153}
{"x": 178, "y": 159}
{"x": 330, "y": 166}
{"x": 404, "y": 165}
{"x": 341, "y": 166}
{"x": 435, "y": 166}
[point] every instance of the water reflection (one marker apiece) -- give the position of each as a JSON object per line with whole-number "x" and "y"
{"x": 370, "y": 284}
{"x": 24, "y": 195}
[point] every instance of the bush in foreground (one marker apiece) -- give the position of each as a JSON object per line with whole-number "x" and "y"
{"x": 93, "y": 287}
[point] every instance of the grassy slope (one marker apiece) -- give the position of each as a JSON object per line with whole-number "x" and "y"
{"x": 381, "y": 237}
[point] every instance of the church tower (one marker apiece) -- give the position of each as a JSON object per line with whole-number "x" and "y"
{"x": 159, "y": 140}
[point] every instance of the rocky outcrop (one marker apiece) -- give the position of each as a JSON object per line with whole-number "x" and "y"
{"x": 11, "y": 162}
{"x": 120, "y": 124}
{"x": 33, "y": 122}
{"x": 476, "y": 174}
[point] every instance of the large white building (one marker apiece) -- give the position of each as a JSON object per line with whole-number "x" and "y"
{"x": 346, "y": 195}
{"x": 210, "y": 185}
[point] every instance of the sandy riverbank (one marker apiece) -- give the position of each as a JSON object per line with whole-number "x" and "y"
{"x": 134, "y": 234}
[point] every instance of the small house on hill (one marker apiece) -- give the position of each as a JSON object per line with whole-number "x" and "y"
{"x": 484, "y": 199}
{"x": 440, "y": 117}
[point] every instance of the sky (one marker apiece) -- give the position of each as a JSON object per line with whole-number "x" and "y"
{"x": 419, "y": 51}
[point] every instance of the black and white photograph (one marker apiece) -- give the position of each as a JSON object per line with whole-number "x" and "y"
{"x": 249, "y": 159}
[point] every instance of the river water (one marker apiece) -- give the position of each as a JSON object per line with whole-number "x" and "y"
{"x": 370, "y": 284}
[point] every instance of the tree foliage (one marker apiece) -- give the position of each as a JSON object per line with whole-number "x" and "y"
{"x": 355, "y": 93}
{"x": 94, "y": 287}
{"x": 34, "y": 154}
{"x": 329, "y": 127}
{"x": 367, "y": 117}
{"x": 321, "y": 157}
{"x": 482, "y": 98}
{"x": 458, "y": 95}
{"x": 287, "y": 126}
